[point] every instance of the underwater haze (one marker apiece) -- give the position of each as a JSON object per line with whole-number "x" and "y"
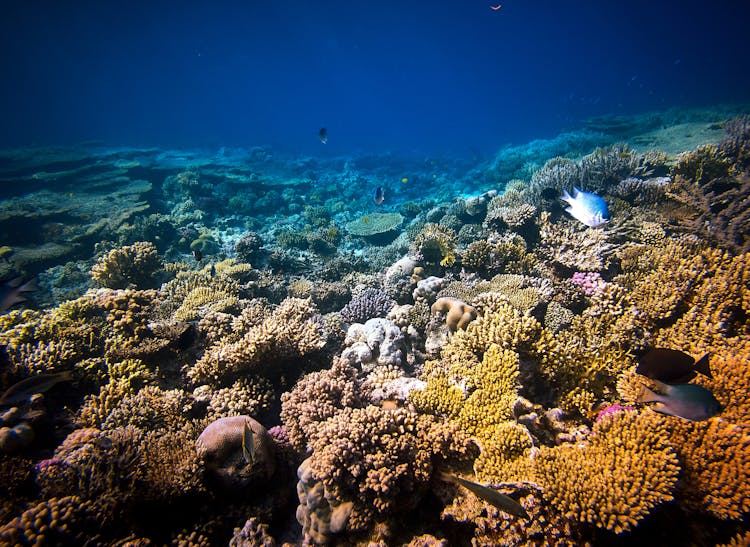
{"x": 430, "y": 76}
{"x": 283, "y": 273}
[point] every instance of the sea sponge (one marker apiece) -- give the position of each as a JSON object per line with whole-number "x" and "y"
{"x": 132, "y": 266}
{"x": 458, "y": 314}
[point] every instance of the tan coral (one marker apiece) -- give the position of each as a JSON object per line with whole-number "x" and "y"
{"x": 458, "y": 314}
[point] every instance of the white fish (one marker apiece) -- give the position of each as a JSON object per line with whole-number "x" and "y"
{"x": 586, "y": 207}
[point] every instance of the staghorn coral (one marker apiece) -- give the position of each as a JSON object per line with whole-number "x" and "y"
{"x": 151, "y": 408}
{"x": 290, "y": 331}
{"x": 131, "y": 266}
{"x": 436, "y": 243}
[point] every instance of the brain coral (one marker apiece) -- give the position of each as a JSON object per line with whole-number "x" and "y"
{"x": 135, "y": 265}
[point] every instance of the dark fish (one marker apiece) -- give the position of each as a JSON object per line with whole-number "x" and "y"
{"x": 21, "y": 391}
{"x": 490, "y": 495}
{"x": 378, "y": 196}
{"x": 688, "y": 401}
{"x": 11, "y": 292}
{"x": 213, "y": 270}
{"x": 671, "y": 366}
{"x": 198, "y": 255}
{"x": 323, "y": 135}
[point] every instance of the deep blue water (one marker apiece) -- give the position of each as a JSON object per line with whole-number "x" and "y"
{"x": 438, "y": 76}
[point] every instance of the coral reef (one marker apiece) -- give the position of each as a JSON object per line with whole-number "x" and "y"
{"x": 133, "y": 266}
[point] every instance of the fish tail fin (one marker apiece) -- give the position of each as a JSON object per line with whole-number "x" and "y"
{"x": 702, "y": 366}
{"x": 566, "y": 196}
{"x": 29, "y": 286}
{"x": 645, "y": 395}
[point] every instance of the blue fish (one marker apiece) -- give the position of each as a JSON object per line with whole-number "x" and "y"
{"x": 586, "y": 207}
{"x": 378, "y": 196}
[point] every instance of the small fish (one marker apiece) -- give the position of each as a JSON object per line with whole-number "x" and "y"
{"x": 11, "y": 292}
{"x": 198, "y": 255}
{"x": 248, "y": 446}
{"x": 213, "y": 270}
{"x": 689, "y": 401}
{"x": 490, "y": 495}
{"x": 21, "y": 391}
{"x": 378, "y": 196}
{"x": 671, "y": 366}
{"x": 323, "y": 135}
{"x": 586, "y": 207}
{"x": 404, "y": 180}
{"x": 497, "y": 7}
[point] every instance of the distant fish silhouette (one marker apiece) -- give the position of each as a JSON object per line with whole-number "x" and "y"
{"x": 495, "y": 8}
{"x": 11, "y": 292}
{"x": 323, "y": 135}
{"x": 198, "y": 255}
{"x": 378, "y": 196}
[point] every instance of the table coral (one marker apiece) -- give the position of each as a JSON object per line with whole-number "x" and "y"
{"x": 131, "y": 266}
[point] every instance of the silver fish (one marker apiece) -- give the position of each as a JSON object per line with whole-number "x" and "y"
{"x": 490, "y": 495}
{"x": 689, "y": 401}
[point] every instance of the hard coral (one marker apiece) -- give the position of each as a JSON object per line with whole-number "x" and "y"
{"x": 458, "y": 314}
{"x": 366, "y": 305}
{"x": 436, "y": 243}
{"x": 131, "y": 266}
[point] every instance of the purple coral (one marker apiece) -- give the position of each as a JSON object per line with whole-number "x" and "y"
{"x": 368, "y": 304}
{"x": 591, "y": 283}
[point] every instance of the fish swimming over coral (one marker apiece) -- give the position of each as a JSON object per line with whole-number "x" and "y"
{"x": 490, "y": 495}
{"x": 323, "y": 135}
{"x": 586, "y": 207}
{"x": 378, "y": 196}
{"x": 11, "y": 292}
{"x": 21, "y": 391}
{"x": 689, "y": 401}
{"x": 671, "y": 366}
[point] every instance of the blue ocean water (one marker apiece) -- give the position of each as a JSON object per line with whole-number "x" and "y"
{"x": 439, "y": 76}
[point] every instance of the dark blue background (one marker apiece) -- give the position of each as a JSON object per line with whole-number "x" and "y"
{"x": 393, "y": 74}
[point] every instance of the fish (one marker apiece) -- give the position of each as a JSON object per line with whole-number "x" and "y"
{"x": 689, "y": 401}
{"x": 198, "y": 255}
{"x": 11, "y": 292}
{"x": 586, "y": 207}
{"x": 490, "y": 495}
{"x": 212, "y": 271}
{"x": 248, "y": 446}
{"x": 672, "y": 366}
{"x": 378, "y": 196}
{"x": 23, "y": 390}
{"x": 323, "y": 135}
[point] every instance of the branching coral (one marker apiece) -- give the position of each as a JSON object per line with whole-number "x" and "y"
{"x": 290, "y": 331}
{"x": 366, "y": 305}
{"x": 132, "y": 266}
{"x": 574, "y": 248}
{"x": 381, "y": 461}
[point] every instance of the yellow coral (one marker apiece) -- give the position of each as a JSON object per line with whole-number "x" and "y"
{"x": 626, "y": 469}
